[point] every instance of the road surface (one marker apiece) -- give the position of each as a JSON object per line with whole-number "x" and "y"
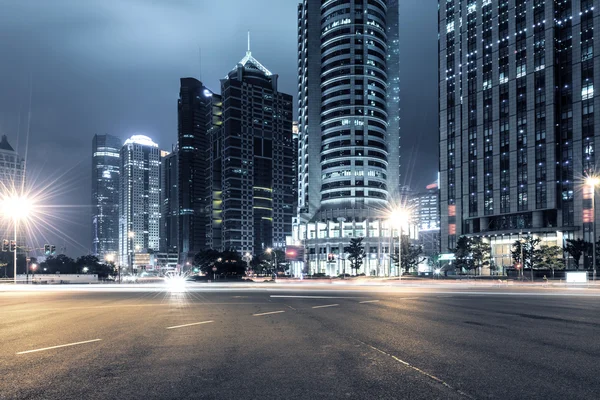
{"x": 311, "y": 342}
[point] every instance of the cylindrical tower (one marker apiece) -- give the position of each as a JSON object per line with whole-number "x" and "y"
{"x": 354, "y": 119}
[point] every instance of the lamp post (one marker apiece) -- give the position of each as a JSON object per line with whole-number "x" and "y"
{"x": 17, "y": 207}
{"x": 274, "y": 253}
{"x": 398, "y": 218}
{"x": 341, "y": 250}
{"x": 131, "y": 235}
{"x": 593, "y": 181}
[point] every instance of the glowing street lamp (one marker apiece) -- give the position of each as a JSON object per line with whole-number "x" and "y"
{"x": 18, "y": 208}
{"x": 592, "y": 182}
{"x": 273, "y": 265}
{"x": 398, "y": 218}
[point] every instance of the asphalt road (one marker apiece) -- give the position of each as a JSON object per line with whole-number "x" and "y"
{"x": 299, "y": 343}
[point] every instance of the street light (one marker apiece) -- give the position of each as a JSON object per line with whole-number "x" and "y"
{"x": 592, "y": 182}
{"x": 398, "y": 218}
{"x": 18, "y": 208}
{"x": 271, "y": 251}
{"x": 33, "y": 268}
{"x": 130, "y": 235}
{"x": 110, "y": 258}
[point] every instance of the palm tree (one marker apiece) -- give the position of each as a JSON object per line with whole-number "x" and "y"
{"x": 356, "y": 253}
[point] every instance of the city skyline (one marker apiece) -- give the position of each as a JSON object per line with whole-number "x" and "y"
{"x": 119, "y": 75}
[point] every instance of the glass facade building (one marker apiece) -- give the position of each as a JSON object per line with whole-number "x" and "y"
{"x": 12, "y": 180}
{"x": 106, "y": 174}
{"x": 517, "y": 120}
{"x": 139, "y": 200}
{"x": 349, "y": 135}
{"x": 252, "y": 162}
{"x": 199, "y": 111}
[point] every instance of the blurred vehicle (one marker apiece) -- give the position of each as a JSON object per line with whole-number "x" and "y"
{"x": 130, "y": 278}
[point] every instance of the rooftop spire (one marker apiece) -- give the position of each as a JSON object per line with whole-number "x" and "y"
{"x": 249, "y": 43}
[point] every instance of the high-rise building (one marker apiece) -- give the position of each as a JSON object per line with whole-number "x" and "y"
{"x": 349, "y": 135}
{"x": 139, "y": 200}
{"x": 424, "y": 207}
{"x": 12, "y": 182}
{"x": 169, "y": 203}
{"x": 106, "y": 173}
{"x": 252, "y": 159}
{"x": 199, "y": 111}
{"x": 517, "y": 121}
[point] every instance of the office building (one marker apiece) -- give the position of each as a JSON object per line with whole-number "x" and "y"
{"x": 12, "y": 182}
{"x": 517, "y": 120}
{"x": 106, "y": 173}
{"x": 139, "y": 201}
{"x": 349, "y": 135}
{"x": 424, "y": 206}
{"x": 252, "y": 162}
{"x": 199, "y": 111}
{"x": 169, "y": 203}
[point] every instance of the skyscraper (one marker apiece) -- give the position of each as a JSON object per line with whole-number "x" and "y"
{"x": 198, "y": 111}
{"x": 139, "y": 200}
{"x": 348, "y": 155}
{"x": 516, "y": 84}
{"x": 252, "y": 162}
{"x": 12, "y": 182}
{"x": 169, "y": 201}
{"x": 106, "y": 168}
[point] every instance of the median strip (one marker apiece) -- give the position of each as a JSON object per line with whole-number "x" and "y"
{"x": 192, "y": 324}
{"x": 56, "y": 347}
{"x": 268, "y": 313}
{"x": 328, "y": 305}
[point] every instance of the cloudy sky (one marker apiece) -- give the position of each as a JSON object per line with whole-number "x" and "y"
{"x": 72, "y": 68}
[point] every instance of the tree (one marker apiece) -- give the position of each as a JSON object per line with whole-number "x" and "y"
{"x": 462, "y": 253}
{"x": 576, "y": 248}
{"x": 356, "y": 253}
{"x": 204, "y": 260}
{"x": 60, "y": 264}
{"x": 87, "y": 263}
{"x": 551, "y": 257}
{"x": 480, "y": 253}
{"x": 411, "y": 256}
{"x": 528, "y": 248}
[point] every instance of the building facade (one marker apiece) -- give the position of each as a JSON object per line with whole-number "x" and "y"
{"x": 169, "y": 203}
{"x": 198, "y": 111}
{"x": 517, "y": 120}
{"x": 349, "y": 136}
{"x": 106, "y": 174}
{"x": 424, "y": 206}
{"x": 139, "y": 200}
{"x": 12, "y": 182}
{"x": 252, "y": 162}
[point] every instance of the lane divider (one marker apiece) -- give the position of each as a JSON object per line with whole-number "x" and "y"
{"x": 56, "y": 347}
{"x": 192, "y": 324}
{"x": 419, "y": 370}
{"x": 368, "y": 301}
{"x": 268, "y": 313}
{"x": 328, "y": 305}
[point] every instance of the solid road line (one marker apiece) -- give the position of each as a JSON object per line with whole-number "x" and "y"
{"x": 368, "y": 301}
{"x": 328, "y": 305}
{"x": 56, "y": 347}
{"x": 195, "y": 323}
{"x": 268, "y": 313}
{"x": 310, "y": 297}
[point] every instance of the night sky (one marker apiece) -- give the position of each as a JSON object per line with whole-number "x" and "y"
{"x": 113, "y": 66}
